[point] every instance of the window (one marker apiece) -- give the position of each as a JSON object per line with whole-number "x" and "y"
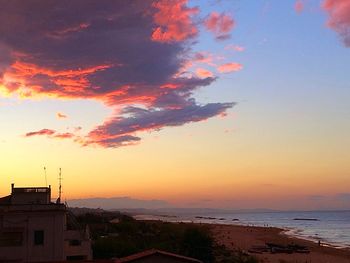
{"x": 38, "y": 237}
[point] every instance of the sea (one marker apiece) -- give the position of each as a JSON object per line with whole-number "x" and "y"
{"x": 330, "y": 227}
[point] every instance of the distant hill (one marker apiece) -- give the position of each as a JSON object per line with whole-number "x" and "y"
{"x": 116, "y": 203}
{"x": 155, "y": 207}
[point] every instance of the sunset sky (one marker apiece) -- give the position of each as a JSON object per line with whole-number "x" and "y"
{"x": 224, "y": 104}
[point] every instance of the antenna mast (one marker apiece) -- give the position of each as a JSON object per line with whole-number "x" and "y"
{"x": 45, "y": 176}
{"x": 60, "y": 186}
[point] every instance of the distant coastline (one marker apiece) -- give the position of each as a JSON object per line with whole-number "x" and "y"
{"x": 247, "y": 238}
{"x": 331, "y": 227}
{"x": 314, "y": 230}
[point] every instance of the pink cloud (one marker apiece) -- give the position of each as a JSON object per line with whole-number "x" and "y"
{"x": 299, "y": 6}
{"x": 235, "y": 48}
{"x": 40, "y": 132}
{"x": 174, "y": 21}
{"x": 230, "y": 67}
{"x": 339, "y": 18}
{"x": 204, "y": 57}
{"x": 203, "y": 73}
{"x": 66, "y": 135}
{"x": 220, "y": 25}
{"x": 50, "y": 133}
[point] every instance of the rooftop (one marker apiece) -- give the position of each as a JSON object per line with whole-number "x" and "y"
{"x": 153, "y": 252}
{"x": 27, "y": 196}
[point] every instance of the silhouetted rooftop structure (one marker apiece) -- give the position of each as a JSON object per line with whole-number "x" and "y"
{"x": 32, "y": 228}
{"x": 156, "y": 256}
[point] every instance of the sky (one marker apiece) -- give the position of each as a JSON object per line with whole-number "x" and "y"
{"x": 220, "y": 103}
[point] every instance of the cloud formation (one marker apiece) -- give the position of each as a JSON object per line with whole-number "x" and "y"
{"x": 174, "y": 21}
{"x": 220, "y": 25}
{"x": 131, "y": 55}
{"x": 203, "y": 73}
{"x": 339, "y": 18}
{"x": 229, "y": 67}
{"x": 299, "y": 6}
{"x": 235, "y": 48}
{"x": 118, "y": 131}
{"x": 51, "y": 134}
{"x": 40, "y": 132}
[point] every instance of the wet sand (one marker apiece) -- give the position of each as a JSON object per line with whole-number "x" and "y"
{"x": 244, "y": 237}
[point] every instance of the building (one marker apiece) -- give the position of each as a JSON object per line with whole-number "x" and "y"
{"x": 157, "y": 256}
{"x": 34, "y": 229}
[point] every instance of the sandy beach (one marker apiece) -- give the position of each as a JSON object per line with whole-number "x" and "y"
{"x": 245, "y": 237}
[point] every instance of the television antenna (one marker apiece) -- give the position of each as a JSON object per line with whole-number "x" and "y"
{"x": 60, "y": 185}
{"x": 45, "y": 176}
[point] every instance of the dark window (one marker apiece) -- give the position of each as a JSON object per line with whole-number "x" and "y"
{"x": 39, "y": 237}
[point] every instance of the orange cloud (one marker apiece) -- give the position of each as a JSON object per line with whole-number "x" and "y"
{"x": 174, "y": 21}
{"x": 220, "y": 25}
{"x": 339, "y": 18}
{"x": 203, "y": 73}
{"x": 20, "y": 76}
{"x": 28, "y": 70}
{"x": 299, "y": 6}
{"x": 169, "y": 86}
{"x": 60, "y": 115}
{"x": 229, "y": 67}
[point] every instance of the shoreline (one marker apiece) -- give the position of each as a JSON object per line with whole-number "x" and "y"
{"x": 287, "y": 231}
{"x": 324, "y": 242}
{"x": 247, "y": 237}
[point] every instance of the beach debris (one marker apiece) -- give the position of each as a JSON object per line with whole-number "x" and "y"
{"x": 299, "y": 249}
{"x": 259, "y": 249}
{"x": 277, "y": 248}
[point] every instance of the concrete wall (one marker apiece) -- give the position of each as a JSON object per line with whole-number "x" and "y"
{"x": 30, "y": 198}
{"x": 83, "y": 249}
{"x": 30, "y": 195}
{"x": 53, "y": 225}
